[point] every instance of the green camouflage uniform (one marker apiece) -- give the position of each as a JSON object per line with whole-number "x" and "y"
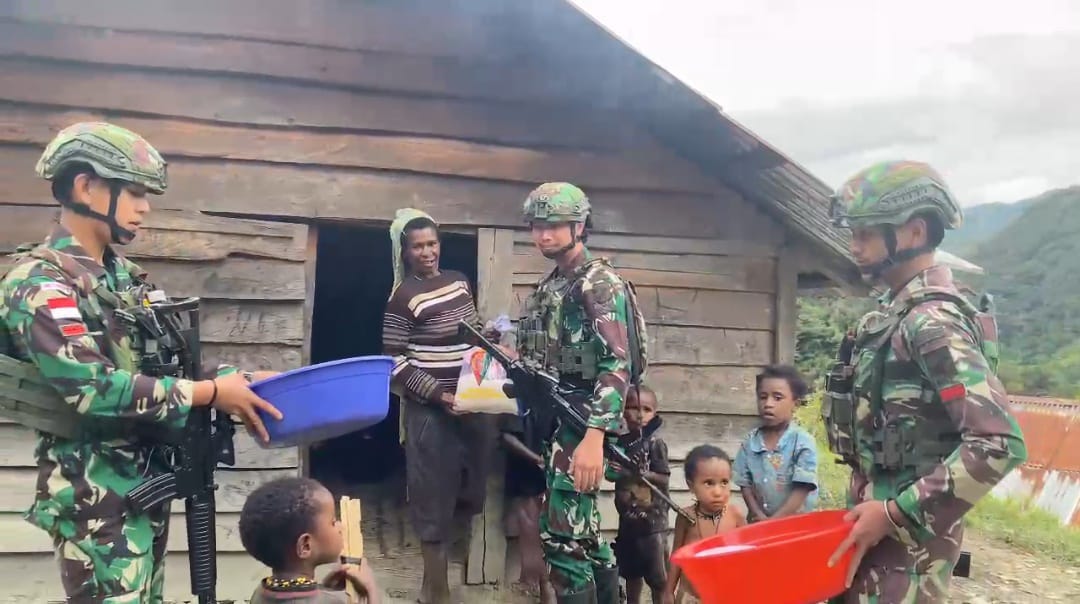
{"x": 56, "y": 311}
{"x": 575, "y": 326}
{"x": 927, "y": 421}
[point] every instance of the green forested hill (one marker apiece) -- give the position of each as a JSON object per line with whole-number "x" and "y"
{"x": 1031, "y": 253}
{"x": 981, "y": 223}
{"x": 1033, "y": 269}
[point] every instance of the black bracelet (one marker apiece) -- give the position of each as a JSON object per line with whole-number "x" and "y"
{"x": 213, "y": 397}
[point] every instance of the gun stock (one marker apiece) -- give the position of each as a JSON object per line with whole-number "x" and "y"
{"x": 535, "y": 385}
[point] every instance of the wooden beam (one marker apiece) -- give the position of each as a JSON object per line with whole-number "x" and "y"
{"x": 703, "y": 390}
{"x": 698, "y": 346}
{"x": 174, "y": 138}
{"x": 311, "y": 258}
{"x": 370, "y": 26}
{"x": 250, "y": 322}
{"x": 166, "y": 234}
{"x": 743, "y": 275}
{"x": 253, "y": 189}
{"x": 690, "y": 307}
{"x": 276, "y": 103}
{"x": 486, "y": 558}
{"x": 706, "y": 308}
{"x": 603, "y": 243}
{"x": 235, "y": 278}
{"x": 528, "y": 261}
{"x": 315, "y": 65}
{"x": 787, "y": 313}
{"x": 254, "y": 357}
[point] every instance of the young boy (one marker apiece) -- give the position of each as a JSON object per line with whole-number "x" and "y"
{"x": 641, "y": 546}
{"x": 776, "y": 467}
{"x": 289, "y": 524}
{"x": 523, "y": 438}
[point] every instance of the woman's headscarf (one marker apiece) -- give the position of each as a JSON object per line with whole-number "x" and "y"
{"x": 397, "y": 227}
{"x": 402, "y": 218}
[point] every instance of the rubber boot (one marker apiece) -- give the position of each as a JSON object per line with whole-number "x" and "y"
{"x": 607, "y": 584}
{"x": 585, "y": 595}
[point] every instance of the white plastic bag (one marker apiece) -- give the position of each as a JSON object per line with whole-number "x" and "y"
{"x": 480, "y": 385}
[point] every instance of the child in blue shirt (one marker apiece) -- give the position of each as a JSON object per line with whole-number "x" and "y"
{"x": 776, "y": 466}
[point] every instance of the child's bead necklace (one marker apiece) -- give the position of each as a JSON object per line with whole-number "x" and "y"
{"x": 297, "y": 584}
{"x": 715, "y": 516}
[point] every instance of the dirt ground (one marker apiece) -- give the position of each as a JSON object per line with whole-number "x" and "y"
{"x": 1000, "y": 574}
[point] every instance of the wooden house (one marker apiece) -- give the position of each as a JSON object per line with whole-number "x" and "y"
{"x": 295, "y": 129}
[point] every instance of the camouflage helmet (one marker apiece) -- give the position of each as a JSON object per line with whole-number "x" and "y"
{"x": 556, "y": 202}
{"x": 891, "y": 192}
{"x": 113, "y": 152}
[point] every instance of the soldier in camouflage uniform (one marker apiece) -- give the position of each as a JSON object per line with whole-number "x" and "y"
{"x": 581, "y": 324}
{"x": 57, "y": 311}
{"x": 918, "y": 412}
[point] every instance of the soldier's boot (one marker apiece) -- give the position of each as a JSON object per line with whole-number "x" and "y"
{"x": 607, "y": 584}
{"x": 584, "y": 595}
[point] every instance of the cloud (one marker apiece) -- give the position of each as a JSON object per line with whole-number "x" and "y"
{"x": 1009, "y": 132}
{"x": 987, "y": 93}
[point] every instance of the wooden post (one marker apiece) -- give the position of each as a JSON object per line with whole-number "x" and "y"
{"x": 311, "y": 253}
{"x": 354, "y": 538}
{"x": 787, "y": 287}
{"x": 487, "y": 539}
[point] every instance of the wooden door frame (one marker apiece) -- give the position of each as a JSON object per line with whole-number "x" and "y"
{"x": 486, "y": 558}
{"x": 311, "y": 254}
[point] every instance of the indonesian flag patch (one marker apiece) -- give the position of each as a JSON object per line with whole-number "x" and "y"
{"x": 65, "y": 311}
{"x": 64, "y": 308}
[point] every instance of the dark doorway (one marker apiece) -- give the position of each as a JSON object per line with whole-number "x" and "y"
{"x": 352, "y": 283}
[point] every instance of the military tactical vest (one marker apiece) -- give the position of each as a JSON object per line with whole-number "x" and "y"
{"x": 541, "y": 341}
{"x": 25, "y": 395}
{"x": 918, "y": 441}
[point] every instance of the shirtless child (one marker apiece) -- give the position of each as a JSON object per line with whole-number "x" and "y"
{"x": 708, "y": 474}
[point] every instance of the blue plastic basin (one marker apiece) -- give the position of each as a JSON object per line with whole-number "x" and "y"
{"x": 322, "y": 401}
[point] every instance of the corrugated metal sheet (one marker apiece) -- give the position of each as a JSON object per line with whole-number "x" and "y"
{"x": 1050, "y": 479}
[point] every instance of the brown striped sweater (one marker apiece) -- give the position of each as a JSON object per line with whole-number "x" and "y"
{"x": 420, "y": 330}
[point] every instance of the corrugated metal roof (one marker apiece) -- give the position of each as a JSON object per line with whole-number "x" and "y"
{"x": 1050, "y": 478}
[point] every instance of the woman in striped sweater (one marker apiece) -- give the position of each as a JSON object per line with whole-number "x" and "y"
{"x": 446, "y": 453}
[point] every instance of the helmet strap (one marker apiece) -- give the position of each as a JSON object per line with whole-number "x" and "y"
{"x": 569, "y": 246}
{"x": 117, "y": 234}
{"x": 895, "y": 257}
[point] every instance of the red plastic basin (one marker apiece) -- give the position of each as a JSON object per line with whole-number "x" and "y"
{"x": 782, "y": 561}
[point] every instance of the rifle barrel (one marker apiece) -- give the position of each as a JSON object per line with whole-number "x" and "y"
{"x": 566, "y": 411}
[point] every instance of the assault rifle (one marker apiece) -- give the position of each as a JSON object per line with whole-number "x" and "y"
{"x": 539, "y": 388}
{"x": 205, "y": 441}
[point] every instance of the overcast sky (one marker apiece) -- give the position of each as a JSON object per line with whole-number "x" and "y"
{"x": 988, "y": 91}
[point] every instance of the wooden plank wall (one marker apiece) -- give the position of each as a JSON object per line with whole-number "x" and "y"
{"x": 250, "y": 277}
{"x": 710, "y": 306}
{"x": 332, "y": 110}
{"x": 256, "y": 125}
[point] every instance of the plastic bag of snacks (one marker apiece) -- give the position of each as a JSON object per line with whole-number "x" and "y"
{"x": 480, "y": 385}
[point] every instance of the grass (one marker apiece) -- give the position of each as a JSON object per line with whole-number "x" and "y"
{"x": 1011, "y": 522}
{"x": 1026, "y": 527}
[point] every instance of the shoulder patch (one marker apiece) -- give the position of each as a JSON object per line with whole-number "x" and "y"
{"x": 56, "y": 286}
{"x": 953, "y": 392}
